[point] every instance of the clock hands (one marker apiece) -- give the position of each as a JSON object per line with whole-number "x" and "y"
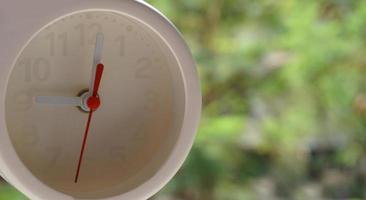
{"x": 89, "y": 101}
{"x": 77, "y": 101}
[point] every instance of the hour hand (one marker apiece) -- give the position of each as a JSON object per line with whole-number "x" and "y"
{"x": 59, "y": 100}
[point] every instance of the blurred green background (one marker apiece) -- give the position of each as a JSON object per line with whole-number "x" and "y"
{"x": 284, "y": 100}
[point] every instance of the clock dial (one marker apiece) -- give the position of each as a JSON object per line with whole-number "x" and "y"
{"x": 140, "y": 113}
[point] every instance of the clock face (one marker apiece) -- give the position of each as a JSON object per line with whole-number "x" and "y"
{"x": 141, "y": 104}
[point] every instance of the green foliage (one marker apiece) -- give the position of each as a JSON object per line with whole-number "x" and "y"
{"x": 9, "y": 193}
{"x": 284, "y": 98}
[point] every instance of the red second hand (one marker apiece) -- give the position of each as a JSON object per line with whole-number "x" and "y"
{"x": 93, "y": 103}
{"x": 83, "y": 146}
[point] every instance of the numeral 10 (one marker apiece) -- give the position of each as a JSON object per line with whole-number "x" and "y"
{"x": 38, "y": 69}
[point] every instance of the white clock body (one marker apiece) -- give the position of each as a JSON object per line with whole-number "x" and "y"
{"x": 150, "y": 94}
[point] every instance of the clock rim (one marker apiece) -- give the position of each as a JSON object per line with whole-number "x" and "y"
{"x": 15, "y": 171}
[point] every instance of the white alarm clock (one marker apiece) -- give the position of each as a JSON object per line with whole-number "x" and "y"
{"x": 99, "y": 99}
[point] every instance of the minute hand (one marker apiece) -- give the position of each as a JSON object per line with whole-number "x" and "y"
{"x": 96, "y": 60}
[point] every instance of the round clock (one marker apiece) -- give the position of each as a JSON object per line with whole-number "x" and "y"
{"x": 98, "y": 99}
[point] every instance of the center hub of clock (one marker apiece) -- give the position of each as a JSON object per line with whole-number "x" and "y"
{"x": 89, "y": 103}
{"x": 93, "y": 102}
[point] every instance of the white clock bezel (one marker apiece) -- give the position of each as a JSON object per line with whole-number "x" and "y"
{"x": 20, "y": 20}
